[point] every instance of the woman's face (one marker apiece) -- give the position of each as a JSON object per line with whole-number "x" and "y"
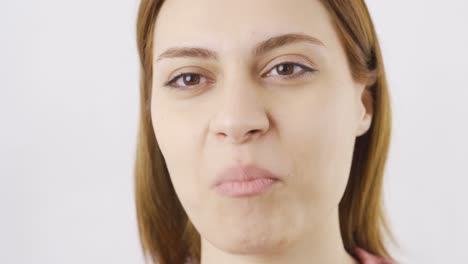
{"x": 265, "y": 108}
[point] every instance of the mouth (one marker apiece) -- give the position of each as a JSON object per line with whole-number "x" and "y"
{"x": 239, "y": 181}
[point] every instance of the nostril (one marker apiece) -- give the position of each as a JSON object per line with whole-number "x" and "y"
{"x": 221, "y": 134}
{"x": 254, "y": 132}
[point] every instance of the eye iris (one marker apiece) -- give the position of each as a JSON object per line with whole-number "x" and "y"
{"x": 191, "y": 79}
{"x": 285, "y": 68}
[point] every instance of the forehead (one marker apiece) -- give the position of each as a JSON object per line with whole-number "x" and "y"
{"x": 237, "y": 25}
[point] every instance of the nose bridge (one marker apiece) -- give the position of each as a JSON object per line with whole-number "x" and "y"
{"x": 241, "y": 111}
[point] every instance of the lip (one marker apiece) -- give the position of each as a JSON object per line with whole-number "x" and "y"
{"x": 244, "y": 180}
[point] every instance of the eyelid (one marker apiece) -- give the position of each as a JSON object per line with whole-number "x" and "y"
{"x": 185, "y": 72}
{"x": 304, "y": 67}
{"x": 175, "y": 78}
{"x": 293, "y": 58}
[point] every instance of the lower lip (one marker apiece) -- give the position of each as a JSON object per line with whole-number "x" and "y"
{"x": 246, "y": 187}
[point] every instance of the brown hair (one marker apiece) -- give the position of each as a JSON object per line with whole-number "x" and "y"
{"x": 166, "y": 233}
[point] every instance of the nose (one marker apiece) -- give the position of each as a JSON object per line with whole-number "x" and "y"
{"x": 241, "y": 116}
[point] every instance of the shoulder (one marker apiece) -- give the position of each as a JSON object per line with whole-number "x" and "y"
{"x": 190, "y": 260}
{"x": 366, "y": 257}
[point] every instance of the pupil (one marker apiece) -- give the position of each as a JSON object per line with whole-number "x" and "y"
{"x": 188, "y": 78}
{"x": 286, "y": 68}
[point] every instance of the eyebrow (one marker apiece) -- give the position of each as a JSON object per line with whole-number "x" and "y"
{"x": 259, "y": 50}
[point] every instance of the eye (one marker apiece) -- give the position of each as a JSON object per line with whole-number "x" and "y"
{"x": 290, "y": 70}
{"x": 188, "y": 79}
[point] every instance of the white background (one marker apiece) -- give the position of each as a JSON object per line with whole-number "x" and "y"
{"x": 68, "y": 121}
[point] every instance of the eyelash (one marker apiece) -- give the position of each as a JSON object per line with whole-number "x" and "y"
{"x": 307, "y": 70}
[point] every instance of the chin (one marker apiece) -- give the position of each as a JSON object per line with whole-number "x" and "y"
{"x": 251, "y": 243}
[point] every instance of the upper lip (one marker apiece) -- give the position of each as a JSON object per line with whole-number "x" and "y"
{"x": 243, "y": 173}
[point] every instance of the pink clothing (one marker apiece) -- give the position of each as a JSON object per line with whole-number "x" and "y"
{"x": 367, "y": 258}
{"x": 364, "y": 257}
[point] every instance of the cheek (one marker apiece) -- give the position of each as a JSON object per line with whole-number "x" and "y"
{"x": 174, "y": 128}
{"x": 321, "y": 143}
{"x": 175, "y": 132}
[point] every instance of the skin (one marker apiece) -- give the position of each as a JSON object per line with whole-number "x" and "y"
{"x": 303, "y": 129}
